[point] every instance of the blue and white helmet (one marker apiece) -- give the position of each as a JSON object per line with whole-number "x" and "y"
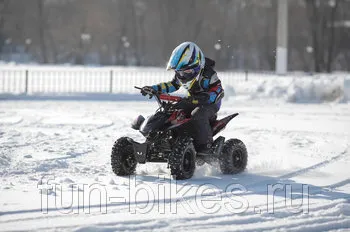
{"x": 187, "y": 60}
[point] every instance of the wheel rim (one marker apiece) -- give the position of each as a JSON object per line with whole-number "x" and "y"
{"x": 237, "y": 159}
{"x": 188, "y": 161}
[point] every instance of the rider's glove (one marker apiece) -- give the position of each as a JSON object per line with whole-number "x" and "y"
{"x": 184, "y": 103}
{"x": 146, "y": 90}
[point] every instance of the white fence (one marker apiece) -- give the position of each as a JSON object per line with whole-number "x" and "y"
{"x": 39, "y": 79}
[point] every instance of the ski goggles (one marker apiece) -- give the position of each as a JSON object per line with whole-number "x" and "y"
{"x": 187, "y": 74}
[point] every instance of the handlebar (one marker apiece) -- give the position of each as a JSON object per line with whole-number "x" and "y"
{"x": 160, "y": 97}
{"x": 169, "y": 98}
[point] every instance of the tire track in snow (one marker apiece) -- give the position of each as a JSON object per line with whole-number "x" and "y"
{"x": 225, "y": 221}
{"x": 304, "y": 170}
{"x": 338, "y": 184}
{"x": 278, "y": 179}
{"x": 296, "y": 224}
{"x": 231, "y": 222}
{"x": 316, "y": 166}
{"x": 198, "y": 222}
{"x": 222, "y": 193}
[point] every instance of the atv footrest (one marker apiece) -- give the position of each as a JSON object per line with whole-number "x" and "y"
{"x": 217, "y": 145}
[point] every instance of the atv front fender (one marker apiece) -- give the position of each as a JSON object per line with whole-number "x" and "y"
{"x": 140, "y": 151}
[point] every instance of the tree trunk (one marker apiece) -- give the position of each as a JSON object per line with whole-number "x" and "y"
{"x": 3, "y": 7}
{"x": 322, "y": 21}
{"x": 41, "y": 25}
{"x": 332, "y": 38}
{"x": 312, "y": 13}
{"x": 136, "y": 35}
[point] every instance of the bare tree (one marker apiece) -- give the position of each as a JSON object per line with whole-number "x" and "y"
{"x": 322, "y": 16}
{"x": 141, "y": 32}
{"x": 3, "y": 7}
{"x": 42, "y": 30}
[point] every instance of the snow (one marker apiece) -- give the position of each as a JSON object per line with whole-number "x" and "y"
{"x": 55, "y": 146}
{"x": 91, "y": 83}
{"x": 297, "y": 89}
{"x": 55, "y": 165}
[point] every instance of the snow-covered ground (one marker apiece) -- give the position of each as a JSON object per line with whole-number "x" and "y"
{"x": 55, "y": 170}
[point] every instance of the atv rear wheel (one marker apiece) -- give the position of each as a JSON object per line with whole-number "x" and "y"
{"x": 123, "y": 160}
{"x": 234, "y": 157}
{"x": 182, "y": 160}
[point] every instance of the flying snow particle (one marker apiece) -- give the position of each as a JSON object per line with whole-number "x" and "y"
{"x": 217, "y": 46}
{"x": 309, "y": 49}
{"x": 126, "y": 44}
{"x": 85, "y": 37}
{"x": 8, "y": 41}
{"x": 331, "y": 3}
{"x": 28, "y": 41}
{"x": 124, "y": 38}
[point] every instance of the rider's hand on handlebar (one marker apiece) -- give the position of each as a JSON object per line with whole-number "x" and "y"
{"x": 147, "y": 90}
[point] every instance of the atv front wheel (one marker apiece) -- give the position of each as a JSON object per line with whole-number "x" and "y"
{"x": 234, "y": 157}
{"x": 182, "y": 160}
{"x": 123, "y": 160}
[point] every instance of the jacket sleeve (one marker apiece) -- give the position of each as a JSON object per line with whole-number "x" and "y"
{"x": 214, "y": 88}
{"x": 167, "y": 87}
{"x": 216, "y": 92}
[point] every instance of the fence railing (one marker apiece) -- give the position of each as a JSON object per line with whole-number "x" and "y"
{"x": 31, "y": 80}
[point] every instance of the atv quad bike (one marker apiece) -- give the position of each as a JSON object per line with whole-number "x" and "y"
{"x": 168, "y": 139}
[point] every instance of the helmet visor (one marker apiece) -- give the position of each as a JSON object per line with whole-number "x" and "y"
{"x": 187, "y": 74}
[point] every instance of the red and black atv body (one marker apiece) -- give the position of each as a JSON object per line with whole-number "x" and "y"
{"x": 168, "y": 139}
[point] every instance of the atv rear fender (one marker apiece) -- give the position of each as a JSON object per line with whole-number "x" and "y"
{"x": 221, "y": 124}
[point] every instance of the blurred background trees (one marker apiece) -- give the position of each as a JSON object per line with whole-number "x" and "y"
{"x": 238, "y": 34}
